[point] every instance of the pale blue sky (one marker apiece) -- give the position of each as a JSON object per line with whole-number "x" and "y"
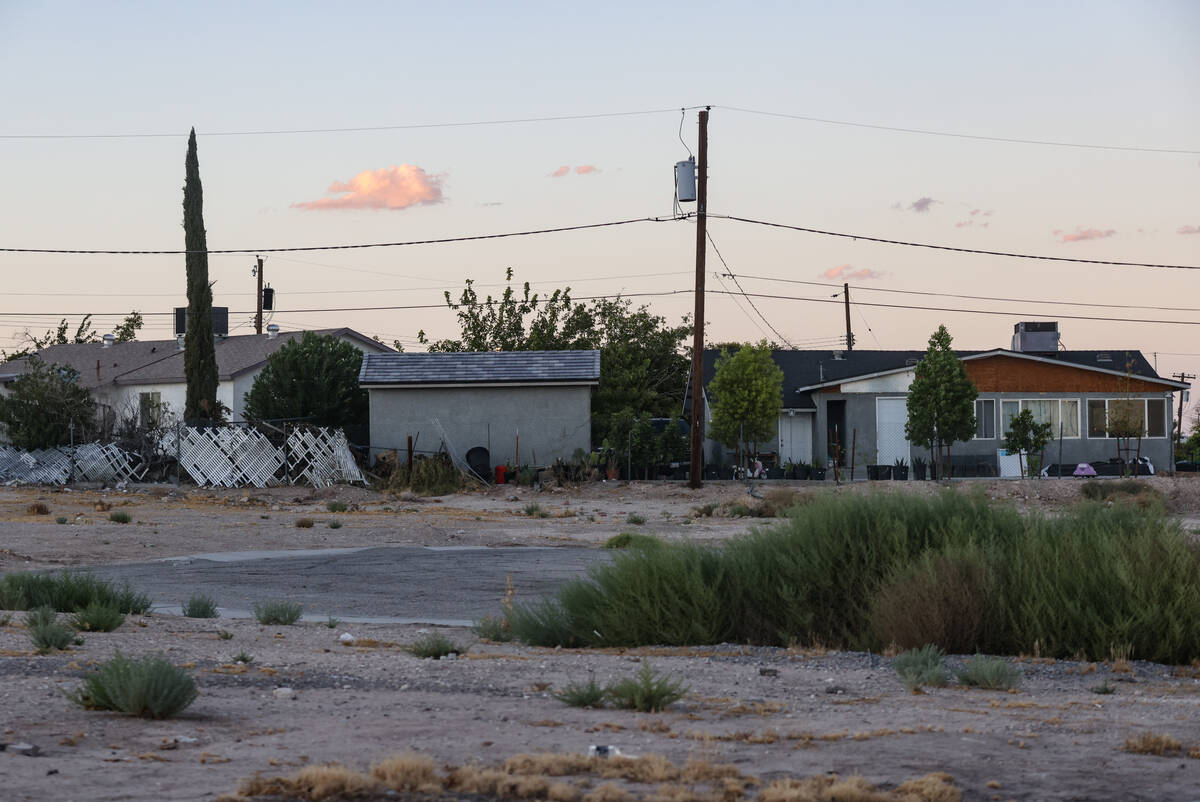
{"x": 1123, "y": 73}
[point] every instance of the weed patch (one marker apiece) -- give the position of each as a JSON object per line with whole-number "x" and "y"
{"x": 432, "y": 647}
{"x": 534, "y": 510}
{"x": 67, "y": 592}
{"x": 334, "y": 523}
{"x": 119, "y": 517}
{"x": 989, "y": 673}
{"x": 647, "y": 692}
{"x": 337, "y": 506}
{"x": 150, "y": 688}
{"x": 199, "y": 605}
{"x": 278, "y": 612}
{"x": 38, "y": 508}
{"x": 918, "y": 667}
{"x": 1149, "y": 743}
{"x": 46, "y": 633}
{"x": 98, "y": 617}
{"x": 634, "y": 519}
{"x": 583, "y": 694}
{"x": 493, "y": 628}
{"x": 632, "y": 540}
{"x": 304, "y": 523}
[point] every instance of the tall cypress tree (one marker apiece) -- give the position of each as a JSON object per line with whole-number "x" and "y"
{"x": 199, "y": 355}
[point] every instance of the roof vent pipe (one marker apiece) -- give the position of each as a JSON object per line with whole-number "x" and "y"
{"x": 179, "y": 339}
{"x": 273, "y": 330}
{"x": 108, "y": 340}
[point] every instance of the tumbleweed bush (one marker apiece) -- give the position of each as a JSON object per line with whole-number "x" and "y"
{"x": 199, "y": 605}
{"x": 989, "y": 673}
{"x": 278, "y": 612}
{"x": 150, "y": 687}
{"x": 647, "y": 692}
{"x": 98, "y": 617}
{"x": 917, "y": 667}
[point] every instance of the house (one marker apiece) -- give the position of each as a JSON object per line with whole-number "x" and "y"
{"x": 141, "y": 377}
{"x": 857, "y": 400}
{"x": 524, "y": 407}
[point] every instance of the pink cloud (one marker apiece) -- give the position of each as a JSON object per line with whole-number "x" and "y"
{"x": 560, "y": 172}
{"x": 1082, "y": 234}
{"x": 1188, "y": 230}
{"x": 964, "y": 223}
{"x": 586, "y": 169}
{"x": 386, "y": 188}
{"x": 846, "y": 271}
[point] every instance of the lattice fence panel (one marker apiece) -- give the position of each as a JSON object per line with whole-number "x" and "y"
{"x": 90, "y": 462}
{"x": 321, "y": 457}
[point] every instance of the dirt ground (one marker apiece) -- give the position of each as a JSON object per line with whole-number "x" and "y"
{"x": 769, "y": 712}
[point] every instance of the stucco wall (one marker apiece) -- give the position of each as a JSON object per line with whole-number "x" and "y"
{"x": 551, "y": 421}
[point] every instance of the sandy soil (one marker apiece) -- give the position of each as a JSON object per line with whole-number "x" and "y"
{"x": 769, "y": 712}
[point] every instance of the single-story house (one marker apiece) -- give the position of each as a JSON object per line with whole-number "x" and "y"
{"x": 859, "y": 398}
{"x": 524, "y": 407}
{"x": 143, "y": 375}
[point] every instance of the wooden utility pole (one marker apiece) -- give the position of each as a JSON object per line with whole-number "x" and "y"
{"x": 258, "y": 316}
{"x": 1183, "y": 377}
{"x": 849, "y": 333}
{"x": 697, "y": 466}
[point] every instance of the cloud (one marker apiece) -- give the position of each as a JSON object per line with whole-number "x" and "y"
{"x": 846, "y": 271}
{"x": 586, "y": 169}
{"x": 561, "y": 171}
{"x": 1082, "y": 234}
{"x": 922, "y": 204}
{"x": 386, "y": 188}
{"x": 1188, "y": 230}
{"x": 970, "y": 223}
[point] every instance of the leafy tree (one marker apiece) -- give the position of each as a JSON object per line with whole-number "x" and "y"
{"x": 747, "y": 393}
{"x": 1027, "y": 436}
{"x": 126, "y": 331}
{"x": 941, "y": 401}
{"x": 315, "y": 377}
{"x": 1189, "y": 449}
{"x": 643, "y": 364}
{"x": 199, "y": 354}
{"x": 42, "y": 404}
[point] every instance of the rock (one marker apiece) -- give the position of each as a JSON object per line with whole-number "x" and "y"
{"x": 347, "y": 639}
{"x": 283, "y": 693}
{"x": 451, "y": 656}
{"x": 603, "y": 750}
{"x": 184, "y": 739}
{"x": 275, "y": 508}
{"x": 768, "y": 672}
{"x": 28, "y": 750}
{"x": 835, "y": 689}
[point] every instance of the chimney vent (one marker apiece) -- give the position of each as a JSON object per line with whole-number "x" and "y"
{"x": 273, "y": 330}
{"x": 179, "y": 339}
{"x": 108, "y": 340}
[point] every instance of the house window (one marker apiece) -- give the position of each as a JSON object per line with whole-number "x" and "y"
{"x": 1148, "y": 414}
{"x": 985, "y": 419}
{"x": 1062, "y": 414}
{"x": 1008, "y": 411}
{"x": 1069, "y": 415}
{"x": 1097, "y": 418}
{"x": 1156, "y": 417}
{"x": 150, "y": 409}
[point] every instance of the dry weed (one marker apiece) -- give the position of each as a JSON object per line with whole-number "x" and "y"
{"x": 1149, "y": 743}
{"x": 609, "y": 792}
{"x": 407, "y": 772}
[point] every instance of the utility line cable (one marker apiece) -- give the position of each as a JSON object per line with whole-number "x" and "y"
{"x": 360, "y": 129}
{"x": 948, "y": 247}
{"x": 954, "y": 135}
{"x": 739, "y": 286}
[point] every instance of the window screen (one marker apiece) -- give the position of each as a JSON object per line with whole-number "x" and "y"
{"x": 1156, "y": 417}
{"x": 985, "y": 419}
{"x": 1070, "y": 417}
{"x": 1096, "y": 414}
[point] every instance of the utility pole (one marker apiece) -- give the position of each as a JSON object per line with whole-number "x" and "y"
{"x": 697, "y": 466}
{"x": 258, "y": 316}
{"x": 849, "y": 333}
{"x": 1183, "y": 377}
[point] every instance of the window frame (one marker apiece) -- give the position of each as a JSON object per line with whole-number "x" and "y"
{"x": 1145, "y": 401}
{"x": 979, "y": 419}
{"x": 1021, "y": 402}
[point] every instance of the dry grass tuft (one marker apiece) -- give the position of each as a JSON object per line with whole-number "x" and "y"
{"x": 329, "y": 781}
{"x": 1149, "y": 743}
{"x": 552, "y": 764}
{"x": 38, "y": 508}
{"x": 407, "y": 772}
{"x": 936, "y": 787}
{"x": 609, "y": 792}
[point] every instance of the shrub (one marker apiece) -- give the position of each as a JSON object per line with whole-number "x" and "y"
{"x": 582, "y": 694}
{"x": 98, "y": 617}
{"x": 119, "y": 517}
{"x": 62, "y": 519}
{"x": 332, "y": 623}
{"x": 278, "y": 612}
{"x": 493, "y": 628}
{"x": 38, "y": 508}
{"x": 534, "y": 510}
{"x": 989, "y": 673}
{"x": 199, "y": 605}
{"x": 337, "y": 506}
{"x": 917, "y": 667}
{"x": 1149, "y": 743}
{"x": 432, "y": 647}
{"x": 244, "y": 658}
{"x": 334, "y": 523}
{"x": 40, "y": 616}
{"x": 49, "y": 637}
{"x": 150, "y": 688}
{"x": 634, "y": 519}
{"x": 304, "y": 523}
{"x": 67, "y": 592}
{"x": 1104, "y": 490}
{"x": 224, "y": 634}
{"x": 435, "y": 476}
{"x": 647, "y": 692}
{"x": 951, "y": 590}
{"x": 632, "y": 540}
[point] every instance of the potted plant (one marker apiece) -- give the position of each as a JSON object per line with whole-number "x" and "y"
{"x": 900, "y": 469}
{"x": 879, "y": 472}
{"x": 817, "y": 473}
{"x": 919, "y": 465}
{"x": 803, "y": 470}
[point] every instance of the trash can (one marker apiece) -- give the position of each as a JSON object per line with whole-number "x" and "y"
{"x": 501, "y": 474}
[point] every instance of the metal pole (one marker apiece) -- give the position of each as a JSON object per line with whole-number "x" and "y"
{"x": 258, "y": 316}
{"x": 849, "y": 333}
{"x": 697, "y": 466}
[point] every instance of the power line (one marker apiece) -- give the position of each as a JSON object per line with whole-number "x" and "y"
{"x": 733, "y": 276}
{"x": 355, "y": 246}
{"x": 954, "y": 135}
{"x": 976, "y": 297}
{"x": 359, "y": 129}
{"x": 1009, "y": 254}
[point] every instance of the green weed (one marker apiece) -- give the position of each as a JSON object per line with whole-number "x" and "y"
{"x": 244, "y": 658}
{"x": 150, "y": 688}
{"x": 534, "y": 510}
{"x": 98, "y": 617}
{"x": 647, "y": 692}
{"x": 432, "y": 647}
{"x": 278, "y": 612}
{"x": 67, "y": 592}
{"x": 632, "y": 540}
{"x": 634, "y": 519}
{"x": 989, "y": 673}
{"x": 304, "y": 523}
{"x": 119, "y": 517}
{"x": 62, "y": 519}
{"x": 917, "y": 667}
{"x": 334, "y": 523}
{"x": 583, "y": 694}
{"x": 199, "y": 605}
{"x": 493, "y": 628}
{"x": 333, "y": 623}
{"x": 337, "y": 506}
{"x": 224, "y": 634}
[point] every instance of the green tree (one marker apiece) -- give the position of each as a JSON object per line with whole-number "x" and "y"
{"x": 126, "y": 331}
{"x": 643, "y": 363}
{"x": 1027, "y": 436}
{"x": 199, "y": 353}
{"x": 315, "y": 377}
{"x": 747, "y": 393}
{"x": 42, "y": 404}
{"x": 941, "y": 401}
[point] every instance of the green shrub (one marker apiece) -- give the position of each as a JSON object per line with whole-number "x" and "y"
{"x": 333, "y": 623}
{"x": 98, "y": 617}
{"x": 40, "y": 616}
{"x": 334, "y": 523}
{"x": 845, "y": 572}
{"x": 49, "y": 637}
{"x": 244, "y": 658}
{"x": 119, "y": 517}
{"x": 493, "y": 628}
{"x": 989, "y": 673}
{"x": 435, "y": 476}
{"x": 62, "y": 519}
{"x": 917, "y": 667}
{"x": 582, "y": 694}
{"x": 534, "y": 510}
{"x": 224, "y": 634}
{"x": 304, "y": 523}
{"x": 67, "y": 591}
{"x": 1096, "y": 490}
{"x": 337, "y": 506}
{"x": 647, "y": 692}
{"x": 1103, "y": 688}
{"x": 199, "y": 605}
{"x": 634, "y": 519}
{"x": 278, "y": 612}
{"x": 432, "y": 647}
{"x": 632, "y": 540}
{"x": 150, "y": 688}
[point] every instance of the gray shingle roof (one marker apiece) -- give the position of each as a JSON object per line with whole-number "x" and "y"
{"x": 161, "y": 361}
{"x": 481, "y": 367}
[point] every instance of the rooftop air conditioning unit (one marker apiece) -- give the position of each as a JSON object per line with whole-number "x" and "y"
{"x": 1036, "y": 337}
{"x": 220, "y": 320}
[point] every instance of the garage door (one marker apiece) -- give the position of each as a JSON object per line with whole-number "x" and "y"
{"x": 795, "y": 437}
{"x": 890, "y": 416}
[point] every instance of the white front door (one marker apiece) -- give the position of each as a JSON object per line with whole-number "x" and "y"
{"x": 795, "y": 437}
{"x": 890, "y": 444}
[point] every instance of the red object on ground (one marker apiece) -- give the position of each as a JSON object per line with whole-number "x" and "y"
{"x": 501, "y": 474}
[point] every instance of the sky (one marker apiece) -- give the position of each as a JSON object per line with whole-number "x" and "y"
{"x": 87, "y": 83}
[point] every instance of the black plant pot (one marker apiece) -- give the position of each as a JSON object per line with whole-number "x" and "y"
{"x": 817, "y": 474}
{"x": 879, "y": 472}
{"x": 802, "y": 473}
{"x": 774, "y": 473}
{"x": 919, "y": 472}
{"x": 900, "y": 473}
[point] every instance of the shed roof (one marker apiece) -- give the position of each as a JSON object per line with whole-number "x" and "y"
{"x": 480, "y": 367}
